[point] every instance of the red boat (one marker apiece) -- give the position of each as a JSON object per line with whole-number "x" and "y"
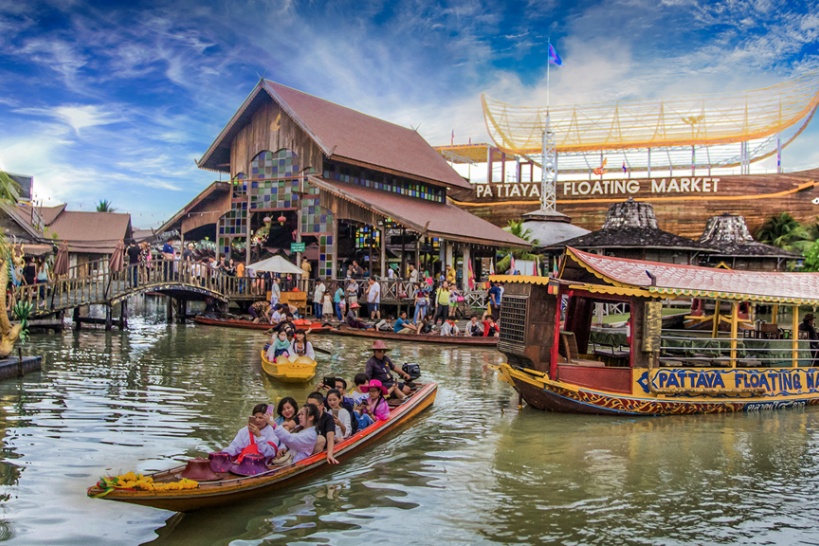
{"x": 301, "y": 324}
{"x": 417, "y": 338}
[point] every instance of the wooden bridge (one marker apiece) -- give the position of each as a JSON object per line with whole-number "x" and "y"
{"x": 93, "y": 283}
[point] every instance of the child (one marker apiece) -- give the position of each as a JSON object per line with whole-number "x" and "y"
{"x": 362, "y": 419}
{"x": 281, "y": 347}
{"x": 327, "y": 306}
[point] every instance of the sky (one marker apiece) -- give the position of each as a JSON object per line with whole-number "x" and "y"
{"x": 117, "y": 100}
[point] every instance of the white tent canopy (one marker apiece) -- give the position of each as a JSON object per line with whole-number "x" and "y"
{"x": 276, "y": 264}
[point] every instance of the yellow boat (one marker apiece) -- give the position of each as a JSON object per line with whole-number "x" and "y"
{"x": 300, "y": 371}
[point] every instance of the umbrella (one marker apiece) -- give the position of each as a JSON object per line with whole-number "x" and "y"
{"x": 116, "y": 261}
{"x": 61, "y": 261}
{"x": 276, "y": 264}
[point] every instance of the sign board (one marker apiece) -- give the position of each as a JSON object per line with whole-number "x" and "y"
{"x": 297, "y": 247}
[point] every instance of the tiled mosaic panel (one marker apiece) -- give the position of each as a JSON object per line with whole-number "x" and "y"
{"x": 239, "y": 185}
{"x": 402, "y": 187}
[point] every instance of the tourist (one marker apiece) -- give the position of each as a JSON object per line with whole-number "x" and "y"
{"x": 338, "y": 299}
{"x": 287, "y": 411}
{"x": 307, "y": 268}
{"x": 379, "y": 366}
{"x": 325, "y": 426}
{"x": 450, "y": 274}
{"x": 413, "y": 274}
{"x": 374, "y": 298}
{"x": 133, "y": 252}
{"x": 403, "y": 326}
{"x": 301, "y": 443}
{"x": 318, "y": 298}
{"x": 341, "y": 416}
{"x": 442, "y": 302}
{"x": 256, "y": 437}
{"x": 426, "y": 325}
{"x": 428, "y": 280}
{"x": 258, "y": 310}
{"x": 352, "y": 318}
{"x": 327, "y": 305}
{"x": 494, "y": 299}
{"x": 361, "y": 420}
{"x": 300, "y": 346}
{"x": 287, "y": 326}
{"x": 375, "y": 405}
{"x": 454, "y": 296}
{"x": 449, "y": 328}
{"x": 352, "y": 292}
{"x": 490, "y": 328}
{"x": 275, "y": 291}
{"x": 421, "y": 303}
{"x": 280, "y": 346}
{"x": 474, "y": 328}
{"x": 808, "y": 331}
{"x": 347, "y": 402}
{"x": 357, "y": 271}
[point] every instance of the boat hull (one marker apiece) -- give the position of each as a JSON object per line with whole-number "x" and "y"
{"x": 290, "y": 372}
{"x": 234, "y": 489}
{"x": 250, "y": 325}
{"x": 419, "y": 338}
{"x": 544, "y": 394}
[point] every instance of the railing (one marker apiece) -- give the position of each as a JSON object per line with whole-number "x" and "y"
{"x": 392, "y": 291}
{"x": 748, "y": 352}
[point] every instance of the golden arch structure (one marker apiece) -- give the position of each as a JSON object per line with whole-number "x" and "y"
{"x": 754, "y": 119}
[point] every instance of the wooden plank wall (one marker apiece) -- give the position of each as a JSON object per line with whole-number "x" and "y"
{"x": 272, "y": 129}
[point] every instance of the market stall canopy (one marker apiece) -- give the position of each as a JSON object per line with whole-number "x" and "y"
{"x": 276, "y": 264}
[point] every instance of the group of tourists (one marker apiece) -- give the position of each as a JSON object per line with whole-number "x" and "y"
{"x": 290, "y": 433}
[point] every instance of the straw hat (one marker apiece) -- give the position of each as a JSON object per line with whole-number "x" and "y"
{"x": 379, "y": 345}
{"x": 220, "y": 461}
{"x": 374, "y": 384}
{"x": 354, "y": 305}
{"x": 199, "y": 470}
{"x": 252, "y": 464}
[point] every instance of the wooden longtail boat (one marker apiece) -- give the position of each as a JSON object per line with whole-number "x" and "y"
{"x": 300, "y": 371}
{"x": 301, "y": 324}
{"x": 230, "y": 488}
{"x": 553, "y": 362}
{"x": 417, "y": 338}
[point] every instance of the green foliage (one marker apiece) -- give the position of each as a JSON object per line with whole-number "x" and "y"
{"x": 22, "y": 311}
{"x": 516, "y": 228}
{"x": 811, "y": 262}
{"x": 785, "y": 232}
{"x": 9, "y": 188}
{"x": 105, "y": 206}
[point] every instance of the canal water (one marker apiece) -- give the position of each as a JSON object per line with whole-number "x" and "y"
{"x": 472, "y": 470}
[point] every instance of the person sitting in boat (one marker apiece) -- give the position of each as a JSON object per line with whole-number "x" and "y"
{"x": 287, "y": 326}
{"x": 258, "y": 310}
{"x": 379, "y": 367}
{"x": 352, "y": 319}
{"x": 301, "y": 443}
{"x": 279, "y": 347}
{"x": 403, "y": 326}
{"x": 426, "y": 325}
{"x": 362, "y": 420}
{"x": 325, "y": 426}
{"x": 384, "y": 325}
{"x": 474, "y": 328}
{"x": 375, "y": 405}
{"x": 287, "y": 413}
{"x": 256, "y": 437}
{"x": 449, "y": 328}
{"x": 808, "y": 330}
{"x": 276, "y": 315}
{"x": 300, "y": 346}
{"x": 341, "y": 417}
{"x": 490, "y": 329}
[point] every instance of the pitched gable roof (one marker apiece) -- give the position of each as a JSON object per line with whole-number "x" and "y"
{"x": 93, "y": 232}
{"x": 342, "y": 134}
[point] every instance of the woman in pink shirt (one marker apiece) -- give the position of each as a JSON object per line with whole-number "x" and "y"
{"x": 376, "y": 405}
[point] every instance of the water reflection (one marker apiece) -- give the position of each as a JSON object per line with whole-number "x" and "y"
{"x": 473, "y": 469}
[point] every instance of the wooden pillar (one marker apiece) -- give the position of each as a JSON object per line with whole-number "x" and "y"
{"x": 383, "y": 250}
{"x": 734, "y": 332}
{"x": 169, "y": 309}
{"x": 123, "y": 314}
{"x": 76, "y": 318}
{"x": 334, "y": 263}
{"x": 795, "y": 338}
{"x": 108, "y": 317}
{"x": 465, "y": 267}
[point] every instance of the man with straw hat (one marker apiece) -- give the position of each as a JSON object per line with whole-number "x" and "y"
{"x": 379, "y": 366}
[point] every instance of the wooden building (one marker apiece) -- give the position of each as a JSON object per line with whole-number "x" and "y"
{"x": 353, "y": 184}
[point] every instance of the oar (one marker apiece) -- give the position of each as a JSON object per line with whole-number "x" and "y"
{"x": 320, "y": 350}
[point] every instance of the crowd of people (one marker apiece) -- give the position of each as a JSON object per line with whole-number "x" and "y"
{"x": 288, "y": 432}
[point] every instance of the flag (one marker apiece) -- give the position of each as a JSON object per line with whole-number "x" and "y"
{"x": 452, "y": 138}
{"x": 625, "y": 169}
{"x": 471, "y": 280}
{"x": 537, "y": 266}
{"x": 511, "y": 265}
{"x": 599, "y": 170}
{"x": 554, "y": 58}
{"x": 492, "y": 266}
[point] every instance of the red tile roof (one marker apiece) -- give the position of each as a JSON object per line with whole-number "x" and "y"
{"x": 92, "y": 232}
{"x": 672, "y": 279}
{"x": 438, "y": 219}
{"x": 343, "y": 134}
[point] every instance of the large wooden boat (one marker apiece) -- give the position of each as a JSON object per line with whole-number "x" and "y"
{"x": 555, "y": 364}
{"x": 301, "y": 324}
{"x": 230, "y": 488}
{"x": 417, "y": 338}
{"x": 303, "y": 369}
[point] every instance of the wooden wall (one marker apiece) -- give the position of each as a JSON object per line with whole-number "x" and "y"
{"x": 272, "y": 129}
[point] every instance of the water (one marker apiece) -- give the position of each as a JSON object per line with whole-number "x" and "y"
{"x": 473, "y": 470}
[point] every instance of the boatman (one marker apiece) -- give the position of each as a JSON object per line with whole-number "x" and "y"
{"x": 379, "y": 367}
{"x": 808, "y": 330}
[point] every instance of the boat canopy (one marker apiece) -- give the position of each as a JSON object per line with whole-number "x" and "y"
{"x": 621, "y": 276}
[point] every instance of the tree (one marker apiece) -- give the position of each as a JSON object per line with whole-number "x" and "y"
{"x": 516, "y": 228}
{"x": 105, "y": 206}
{"x": 785, "y": 232}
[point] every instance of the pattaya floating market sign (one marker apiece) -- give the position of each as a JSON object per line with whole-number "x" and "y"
{"x": 599, "y": 188}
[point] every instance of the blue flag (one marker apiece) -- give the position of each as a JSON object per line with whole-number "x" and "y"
{"x": 554, "y": 58}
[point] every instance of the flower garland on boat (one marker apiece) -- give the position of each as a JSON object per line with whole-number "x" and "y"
{"x": 138, "y": 482}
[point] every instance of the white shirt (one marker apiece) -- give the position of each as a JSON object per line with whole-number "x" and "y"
{"x": 344, "y": 417}
{"x": 242, "y": 440}
{"x": 319, "y": 292}
{"x": 374, "y": 293}
{"x": 449, "y": 329}
{"x": 414, "y": 275}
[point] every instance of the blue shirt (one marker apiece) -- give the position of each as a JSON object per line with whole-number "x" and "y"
{"x": 497, "y": 293}
{"x": 399, "y": 325}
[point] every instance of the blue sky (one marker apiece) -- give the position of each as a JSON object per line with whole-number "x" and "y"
{"x": 115, "y": 100}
